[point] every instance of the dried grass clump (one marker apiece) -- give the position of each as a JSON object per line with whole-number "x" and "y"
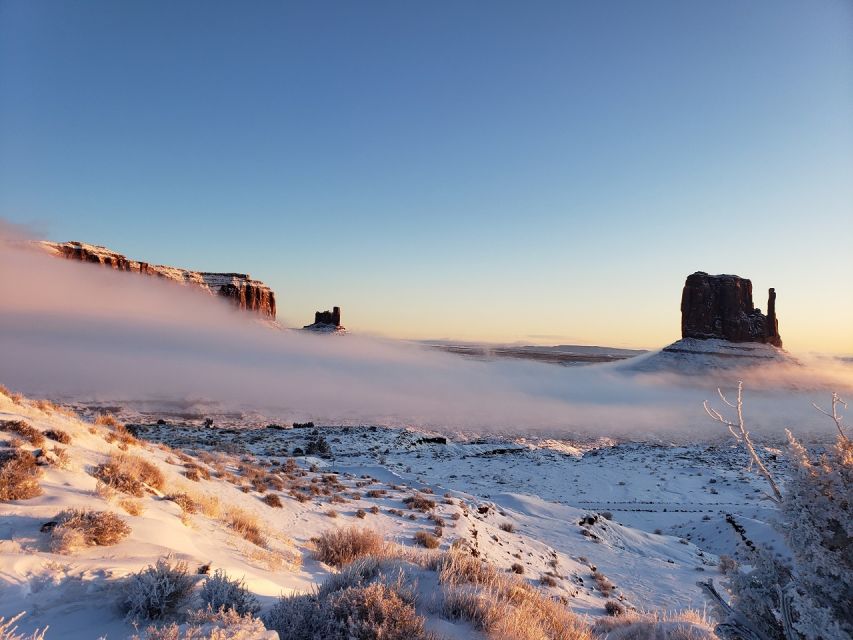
{"x": 247, "y": 525}
{"x": 132, "y": 506}
{"x": 427, "y": 540}
{"x": 196, "y": 473}
{"x": 130, "y": 474}
{"x": 184, "y": 501}
{"x": 338, "y": 547}
{"x": 25, "y": 430}
{"x": 79, "y": 528}
{"x": 107, "y": 420}
{"x": 509, "y": 527}
{"x": 19, "y": 475}
{"x": 686, "y": 625}
{"x": 8, "y": 629}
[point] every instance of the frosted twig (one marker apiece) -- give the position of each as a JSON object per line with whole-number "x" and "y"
{"x": 836, "y": 417}
{"x": 738, "y": 430}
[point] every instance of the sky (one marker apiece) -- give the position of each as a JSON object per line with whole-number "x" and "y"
{"x": 542, "y": 172}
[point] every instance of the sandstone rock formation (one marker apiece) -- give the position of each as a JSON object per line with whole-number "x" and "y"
{"x": 327, "y": 321}
{"x": 238, "y": 288}
{"x": 721, "y": 307}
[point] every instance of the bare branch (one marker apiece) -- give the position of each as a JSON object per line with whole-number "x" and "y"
{"x": 739, "y": 432}
{"x": 835, "y": 416}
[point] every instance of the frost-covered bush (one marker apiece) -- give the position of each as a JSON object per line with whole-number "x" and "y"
{"x": 687, "y": 625}
{"x": 364, "y": 612}
{"x": 211, "y": 625}
{"x": 78, "y": 528}
{"x": 158, "y": 590}
{"x": 222, "y": 593}
{"x": 811, "y": 596}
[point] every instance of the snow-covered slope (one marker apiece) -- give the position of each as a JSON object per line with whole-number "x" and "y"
{"x": 692, "y": 356}
{"x": 230, "y": 474}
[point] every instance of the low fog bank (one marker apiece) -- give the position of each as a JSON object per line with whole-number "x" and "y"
{"x": 69, "y": 329}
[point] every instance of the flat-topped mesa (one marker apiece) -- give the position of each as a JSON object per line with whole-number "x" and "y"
{"x": 238, "y": 288}
{"x": 327, "y": 321}
{"x": 721, "y": 307}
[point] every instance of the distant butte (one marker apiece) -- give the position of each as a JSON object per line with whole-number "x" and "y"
{"x": 327, "y": 322}
{"x": 237, "y": 288}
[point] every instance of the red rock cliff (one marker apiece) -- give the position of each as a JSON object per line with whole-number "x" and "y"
{"x": 239, "y": 288}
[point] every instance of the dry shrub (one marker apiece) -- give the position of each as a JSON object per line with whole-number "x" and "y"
{"x": 502, "y": 605}
{"x": 107, "y": 420}
{"x": 195, "y": 473}
{"x": 247, "y": 525}
{"x": 604, "y": 585}
{"x": 361, "y": 514}
{"x": 19, "y": 476}
{"x": 509, "y": 527}
{"x": 427, "y": 540}
{"x": 132, "y": 506}
{"x": 185, "y": 502}
{"x": 25, "y": 430}
{"x": 61, "y": 458}
{"x": 272, "y": 500}
{"x": 614, "y": 608}
{"x": 332, "y": 513}
{"x": 419, "y": 502}
{"x": 130, "y": 474}
{"x": 63, "y": 437}
{"x": 45, "y": 406}
{"x": 687, "y": 625}
{"x": 78, "y": 528}
{"x": 337, "y": 547}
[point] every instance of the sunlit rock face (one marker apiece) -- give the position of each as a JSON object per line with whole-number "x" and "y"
{"x": 720, "y": 307}
{"x": 238, "y": 288}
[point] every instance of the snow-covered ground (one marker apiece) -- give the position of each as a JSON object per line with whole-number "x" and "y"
{"x": 650, "y": 517}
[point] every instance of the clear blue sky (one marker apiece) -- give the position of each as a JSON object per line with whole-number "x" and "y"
{"x": 533, "y": 171}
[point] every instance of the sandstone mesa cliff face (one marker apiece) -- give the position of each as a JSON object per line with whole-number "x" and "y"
{"x": 720, "y": 307}
{"x": 238, "y": 288}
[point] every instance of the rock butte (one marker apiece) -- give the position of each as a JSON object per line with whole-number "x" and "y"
{"x": 327, "y": 321}
{"x": 238, "y": 288}
{"x": 721, "y": 307}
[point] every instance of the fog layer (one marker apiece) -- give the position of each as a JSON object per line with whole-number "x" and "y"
{"x": 73, "y": 330}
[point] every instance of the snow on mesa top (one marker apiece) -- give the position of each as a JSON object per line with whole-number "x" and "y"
{"x": 239, "y": 288}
